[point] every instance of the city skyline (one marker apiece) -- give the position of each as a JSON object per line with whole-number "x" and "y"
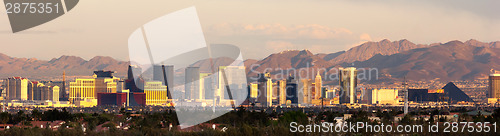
{"x": 38, "y": 69}
{"x": 84, "y": 92}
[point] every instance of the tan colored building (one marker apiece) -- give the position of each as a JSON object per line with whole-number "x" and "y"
{"x": 385, "y": 96}
{"x": 50, "y": 93}
{"x": 282, "y": 92}
{"x": 318, "y": 83}
{"x": 83, "y": 89}
{"x": 204, "y": 85}
{"x": 16, "y": 88}
{"x": 156, "y": 93}
{"x": 254, "y": 90}
{"x": 494, "y": 86}
{"x": 308, "y": 86}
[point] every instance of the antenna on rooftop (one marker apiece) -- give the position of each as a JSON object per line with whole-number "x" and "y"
{"x": 405, "y": 89}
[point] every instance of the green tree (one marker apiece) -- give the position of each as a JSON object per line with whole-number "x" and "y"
{"x": 4, "y": 117}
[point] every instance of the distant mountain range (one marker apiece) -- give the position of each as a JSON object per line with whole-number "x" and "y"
{"x": 395, "y": 60}
{"x": 450, "y": 61}
{"x": 453, "y": 60}
{"x": 74, "y": 66}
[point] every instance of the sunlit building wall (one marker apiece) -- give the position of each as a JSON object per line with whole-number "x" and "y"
{"x": 318, "y": 85}
{"x": 308, "y": 86}
{"x": 54, "y": 93}
{"x": 385, "y": 96}
{"x": 156, "y": 93}
{"x": 205, "y": 86}
{"x": 16, "y": 88}
{"x": 265, "y": 90}
{"x": 494, "y": 86}
{"x": 282, "y": 92}
{"x": 254, "y": 90}
{"x": 83, "y": 89}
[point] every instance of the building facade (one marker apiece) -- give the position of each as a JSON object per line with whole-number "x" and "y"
{"x": 318, "y": 85}
{"x": 384, "y": 96}
{"x": 156, "y": 93}
{"x": 282, "y": 92}
{"x": 348, "y": 82}
{"x": 16, "y": 88}
{"x": 292, "y": 91}
{"x": 308, "y": 88}
{"x": 192, "y": 85}
{"x": 83, "y": 89}
{"x": 265, "y": 86}
{"x": 233, "y": 77}
{"x": 494, "y": 86}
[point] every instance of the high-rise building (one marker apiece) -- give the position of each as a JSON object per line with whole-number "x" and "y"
{"x": 82, "y": 89}
{"x": 192, "y": 85}
{"x": 265, "y": 86}
{"x": 16, "y": 88}
{"x": 282, "y": 92}
{"x": 44, "y": 92}
{"x": 32, "y": 87}
{"x": 205, "y": 86}
{"x": 156, "y": 93}
{"x": 494, "y": 86}
{"x": 158, "y": 73}
{"x": 37, "y": 92}
{"x": 348, "y": 81}
{"x": 236, "y": 81}
{"x": 10, "y": 88}
{"x": 134, "y": 82}
{"x": 254, "y": 90}
{"x": 64, "y": 96}
{"x": 384, "y": 96}
{"x": 169, "y": 79}
{"x": 208, "y": 85}
{"x": 50, "y": 93}
{"x": 22, "y": 90}
{"x": 307, "y": 84}
{"x": 318, "y": 84}
{"x": 105, "y": 82}
{"x": 53, "y": 93}
{"x": 292, "y": 90}
{"x": 165, "y": 74}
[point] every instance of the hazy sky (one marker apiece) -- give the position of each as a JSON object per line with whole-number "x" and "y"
{"x": 258, "y": 27}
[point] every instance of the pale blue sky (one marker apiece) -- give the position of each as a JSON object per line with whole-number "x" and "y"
{"x": 259, "y": 27}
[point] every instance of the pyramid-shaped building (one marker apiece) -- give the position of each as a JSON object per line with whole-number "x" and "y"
{"x": 455, "y": 94}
